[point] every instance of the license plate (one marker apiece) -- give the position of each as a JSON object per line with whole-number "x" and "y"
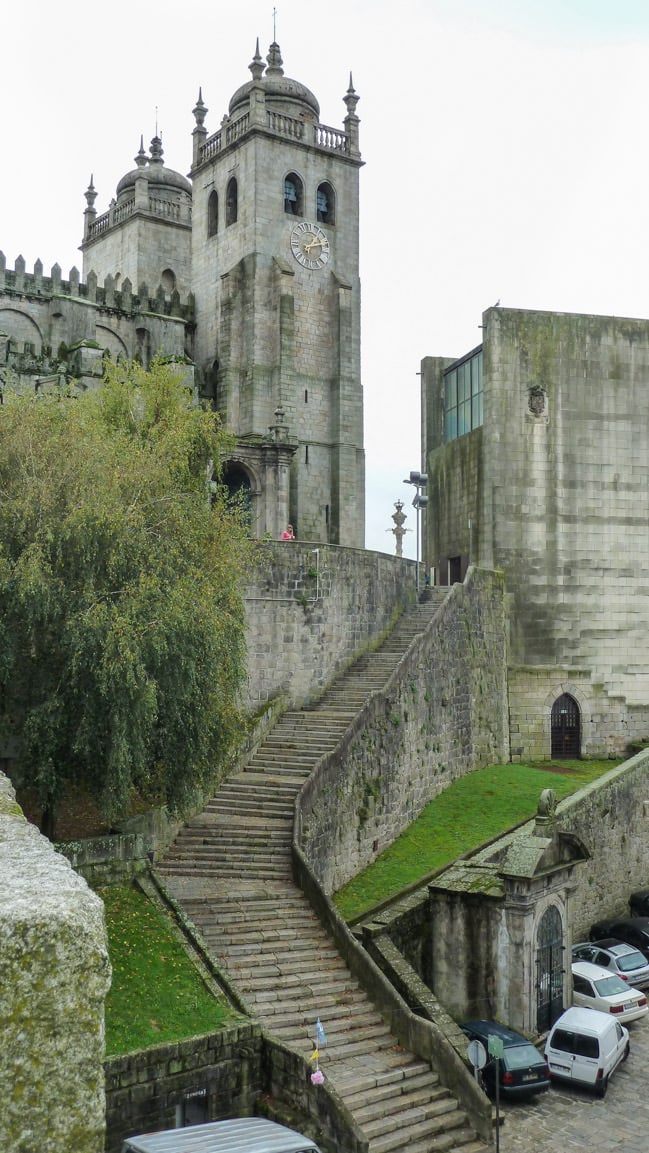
{"x": 629, "y": 1004}
{"x": 530, "y": 1077}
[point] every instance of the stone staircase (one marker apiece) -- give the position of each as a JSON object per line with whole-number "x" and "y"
{"x": 230, "y": 869}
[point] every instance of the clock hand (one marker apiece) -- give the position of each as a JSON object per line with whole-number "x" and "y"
{"x": 316, "y": 243}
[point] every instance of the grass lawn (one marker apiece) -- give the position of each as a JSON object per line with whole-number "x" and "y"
{"x": 470, "y": 811}
{"x": 157, "y": 995}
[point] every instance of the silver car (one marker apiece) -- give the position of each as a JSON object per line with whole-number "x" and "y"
{"x": 625, "y": 960}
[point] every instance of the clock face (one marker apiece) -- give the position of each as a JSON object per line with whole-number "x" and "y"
{"x": 309, "y": 245}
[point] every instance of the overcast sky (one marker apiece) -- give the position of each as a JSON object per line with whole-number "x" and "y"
{"x": 505, "y": 149}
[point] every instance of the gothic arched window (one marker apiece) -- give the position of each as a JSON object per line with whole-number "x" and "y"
{"x": 293, "y": 195}
{"x": 325, "y": 204}
{"x": 231, "y": 202}
{"x": 213, "y": 214}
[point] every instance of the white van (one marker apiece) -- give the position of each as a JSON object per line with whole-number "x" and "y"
{"x": 243, "y": 1135}
{"x": 586, "y": 1046}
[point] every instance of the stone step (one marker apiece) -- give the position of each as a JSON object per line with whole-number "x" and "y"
{"x": 329, "y": 1008}
{"x": 362, "y": 1027}
{"x": 294, "y": 985}
{"x": 375, "y": 1119}
{"x": 360, "y": 1083}
{"x": 254, "y": 870}
{"x": 425, "y": 1130}
{"x": 422, "y": 1085}
{"x": 295, "y": 968}
{"x": 453, "y": 1141}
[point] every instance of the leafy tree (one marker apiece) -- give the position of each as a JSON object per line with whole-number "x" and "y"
{"x": 121, "y": 616}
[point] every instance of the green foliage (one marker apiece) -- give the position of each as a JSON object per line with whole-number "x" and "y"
{"x": 156, "y": 994}
{"x": 121, "y": 617}
{"x": 467, "y": 813}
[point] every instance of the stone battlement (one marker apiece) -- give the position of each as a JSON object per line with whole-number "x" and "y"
{"x": 35, "y": 286}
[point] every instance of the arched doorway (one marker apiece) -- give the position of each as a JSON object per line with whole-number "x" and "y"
{"x": 566, "y": 728}
{"x": 237, "y": 482}
{"x": 549, "y": 968}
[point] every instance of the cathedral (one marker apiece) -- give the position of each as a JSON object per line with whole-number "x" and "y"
{"x": 246, "y": 274}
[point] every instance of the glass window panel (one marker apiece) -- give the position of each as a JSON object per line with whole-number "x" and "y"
{"x": 462, "y": 382}
{"x": 450, "y": 385}
{"x": 475, "y": 412}
{"x": 451, "y": 424}
{"x": 476, "y": 374}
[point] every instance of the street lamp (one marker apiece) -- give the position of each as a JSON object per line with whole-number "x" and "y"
{"x": 419, "y": 501}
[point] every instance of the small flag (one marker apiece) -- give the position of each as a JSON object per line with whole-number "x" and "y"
{"x": 314, "y": 1055}
{"x": 321, "y": 1036}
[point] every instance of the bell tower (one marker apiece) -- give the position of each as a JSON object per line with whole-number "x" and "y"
{"x": 276, "y": 283}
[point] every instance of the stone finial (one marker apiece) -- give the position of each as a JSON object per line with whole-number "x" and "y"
{"x": 350, "y": 98}
{"x": 399, "y": 517}
{"x": 157, "y": 151}
{"x": 199, "y": 111}
{"x": 141, "y": 158}
{"x": 257, "y": 65}
{"x": 90, "y": 194}
{"x": 274, "y": 60}
{"x": 546, "y": 810}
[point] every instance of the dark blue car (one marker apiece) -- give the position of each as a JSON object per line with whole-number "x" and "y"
{"x": 523, "y": 1071}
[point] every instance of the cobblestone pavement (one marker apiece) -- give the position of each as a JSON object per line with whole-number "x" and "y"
{"x": 566, "y": 1120}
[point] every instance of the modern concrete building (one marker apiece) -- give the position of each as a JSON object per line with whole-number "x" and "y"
{"x": 537, "y": 449}
{"x": 248, "y": 274}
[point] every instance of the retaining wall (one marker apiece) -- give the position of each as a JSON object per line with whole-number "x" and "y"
{"x": 442, "y": 715}
{"x": 311, "y": 608}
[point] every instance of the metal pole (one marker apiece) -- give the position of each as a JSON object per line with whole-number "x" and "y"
{"x": 417, "y": 562}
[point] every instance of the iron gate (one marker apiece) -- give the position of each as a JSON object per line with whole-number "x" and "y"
{"x": 549, "y": 968}
{"x": 566, "y": 728}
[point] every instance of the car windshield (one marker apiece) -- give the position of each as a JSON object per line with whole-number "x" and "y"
{"x": 521, "y": 1056}
{"x": 609, "y": 986}
{"x": 629, "y": 961}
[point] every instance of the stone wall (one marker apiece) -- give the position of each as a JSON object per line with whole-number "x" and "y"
{"x": 442, "y": 714}
{"x": 611, "y": 817}
{"x": 146, "y": 1089}
{"x": 55, "y": 976}
{"x": 238, "y": 1072}
{"x": 554, "y": 484}
{"x": 310, "y": 609}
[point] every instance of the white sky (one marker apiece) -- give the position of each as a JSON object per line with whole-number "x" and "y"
{"x": 505, "y": 144}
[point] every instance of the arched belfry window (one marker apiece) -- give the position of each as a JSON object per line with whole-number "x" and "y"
{"x": 213, "y": 214}
{"x": 325, "y": 204}
{"x": 293, "y": 195}
{"x": 566, "y": 728}
{"x": 231, "y": 202}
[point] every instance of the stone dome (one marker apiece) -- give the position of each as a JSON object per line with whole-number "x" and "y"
{"x": 152, "y": 167}
{"x": 282, "y": 94}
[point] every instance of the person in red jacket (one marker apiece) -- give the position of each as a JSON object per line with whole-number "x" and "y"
{"x": 288, "y": 533}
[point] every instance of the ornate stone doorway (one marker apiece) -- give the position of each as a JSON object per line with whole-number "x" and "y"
{"x": 566, "y": 728}
{"x": 549, "y": 967}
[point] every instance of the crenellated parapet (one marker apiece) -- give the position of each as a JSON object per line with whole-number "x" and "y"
{"x": 18, "y": 282}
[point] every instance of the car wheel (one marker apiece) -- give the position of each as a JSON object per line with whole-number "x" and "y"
{"x": 627, "y": 1050}
{"x": 602, "y": 1086}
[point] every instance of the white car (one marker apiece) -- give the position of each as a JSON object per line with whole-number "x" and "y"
{"x": 625, "y": 960}
{"x": 585, "y": 1046}
{"x": 598, "y": 988}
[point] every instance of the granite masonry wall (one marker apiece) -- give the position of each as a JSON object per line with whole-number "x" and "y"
{"x": 611, "y": 817}
{"x": 442, "y": 714}
{"x": 311, "y": 609}
{"x": 552, "y": 490}
{"x": 55, "y": 976}
{"x": 238, "y": 1072}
